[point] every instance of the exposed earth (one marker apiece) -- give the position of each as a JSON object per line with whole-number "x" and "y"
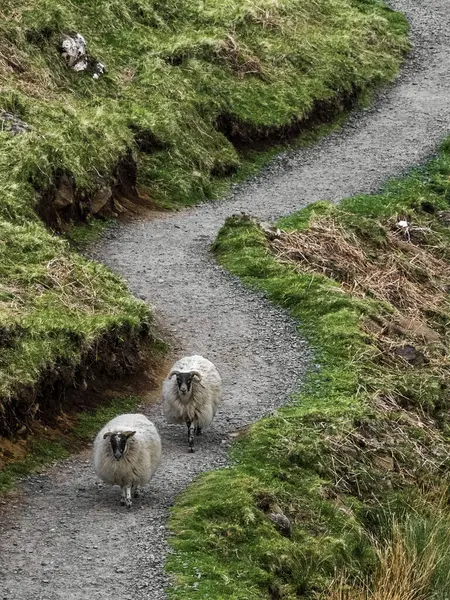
{"x": 64, "y": 535}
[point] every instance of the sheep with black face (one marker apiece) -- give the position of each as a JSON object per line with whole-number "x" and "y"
{"x": 127, "y": 452}
{"x": 192, "y": 393}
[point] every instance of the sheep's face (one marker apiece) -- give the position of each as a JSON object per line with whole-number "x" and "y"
{"x": 119, "y": 442}
{"x": 184, "y": 382}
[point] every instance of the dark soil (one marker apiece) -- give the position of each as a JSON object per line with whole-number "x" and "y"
{"x": 115, "y": 355}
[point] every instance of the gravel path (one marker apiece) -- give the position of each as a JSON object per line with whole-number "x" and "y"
{"x": 67, "y": 537}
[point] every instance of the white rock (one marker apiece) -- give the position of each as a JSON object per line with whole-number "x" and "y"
{"x": 73, "y": 50}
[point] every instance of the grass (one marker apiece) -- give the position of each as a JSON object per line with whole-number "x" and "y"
{"x": 89, "y": 423}
{"x": 354, "y": 460}
{"x": 174, "y": 69}
{"x": 40, "y": 454}
{"x": 81, "y": 235}
{"x": 180, "y": 75}
{"x": 81, "y": 416}
{"x": 413, "y": 563}
{"x": 55, "y": 307}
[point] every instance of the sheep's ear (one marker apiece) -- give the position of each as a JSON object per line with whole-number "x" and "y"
{"x": 129, "y": 434}
{"x": 171, "y": 374}
{"x": 106, "y": 435}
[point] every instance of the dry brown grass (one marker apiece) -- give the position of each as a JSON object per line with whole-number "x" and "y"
{"x": 404, "y": 274}
{"x": 16, "y": 73}
{"x": 384, "y": 449}
{"x": 273, "y": 15}
{"x": 400, "y": 268}
{"x": 127, "y": 75}
{"x": 402, "y": 574}
{"x": 405, "y": 345}
{"x": 75, "y": 285}
{"x": 238, "y": 58}
{"x": 12, "y": 60}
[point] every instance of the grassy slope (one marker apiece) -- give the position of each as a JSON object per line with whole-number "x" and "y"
{"x": 55, "y": 306}
{"x": 322, "y": 459}
{"x": 173, "y": 68}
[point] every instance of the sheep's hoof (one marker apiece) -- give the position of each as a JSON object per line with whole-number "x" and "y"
{"x": 123, "y": 501}
{"x": 191, "y": 450}
{"x": 128, "y": 503}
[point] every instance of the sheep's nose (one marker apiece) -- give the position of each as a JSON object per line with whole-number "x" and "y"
{"x": 117, "y": 455}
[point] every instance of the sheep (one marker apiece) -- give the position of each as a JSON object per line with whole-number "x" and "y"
{"x": 193, "y": 396}
{"x": 127, "y": 452}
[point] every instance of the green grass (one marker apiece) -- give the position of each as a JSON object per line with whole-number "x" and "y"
{"x": 55, "y": 306}
{"x": 81, "y": 235}
{"x": 318, "y": 459}
{"x": 89, "y": 423}
{"x": 174, "y": 69}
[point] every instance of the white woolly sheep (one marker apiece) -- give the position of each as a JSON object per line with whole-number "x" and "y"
{"x": 193, "y": 396}
{"x": 127, "y": 452}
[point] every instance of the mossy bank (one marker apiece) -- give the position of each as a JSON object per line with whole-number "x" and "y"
{"x": 180, "y": 77}
{"x": 327, "y": 497}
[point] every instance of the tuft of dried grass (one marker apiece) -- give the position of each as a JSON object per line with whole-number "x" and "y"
{"x": 16, "y": 73}
{"x": 408, "y": 276}
{"x": 396, "y": 266}
{"x": 238, "y": 58}
{"x": 403, "y": 572}
{"x": 384, "y": 448}
{"x": 75, "y": 285}
{"x": 11, "y": 59}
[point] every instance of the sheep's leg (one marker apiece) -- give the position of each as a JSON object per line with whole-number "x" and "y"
{"x": 198, "y": 430}
{"x": 136, "y": 490}
{"x": 126, "y": 496}
{"x": 190, "y": 427}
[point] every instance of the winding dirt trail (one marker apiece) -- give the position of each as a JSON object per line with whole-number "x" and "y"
{"x": 68, "y": 538}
